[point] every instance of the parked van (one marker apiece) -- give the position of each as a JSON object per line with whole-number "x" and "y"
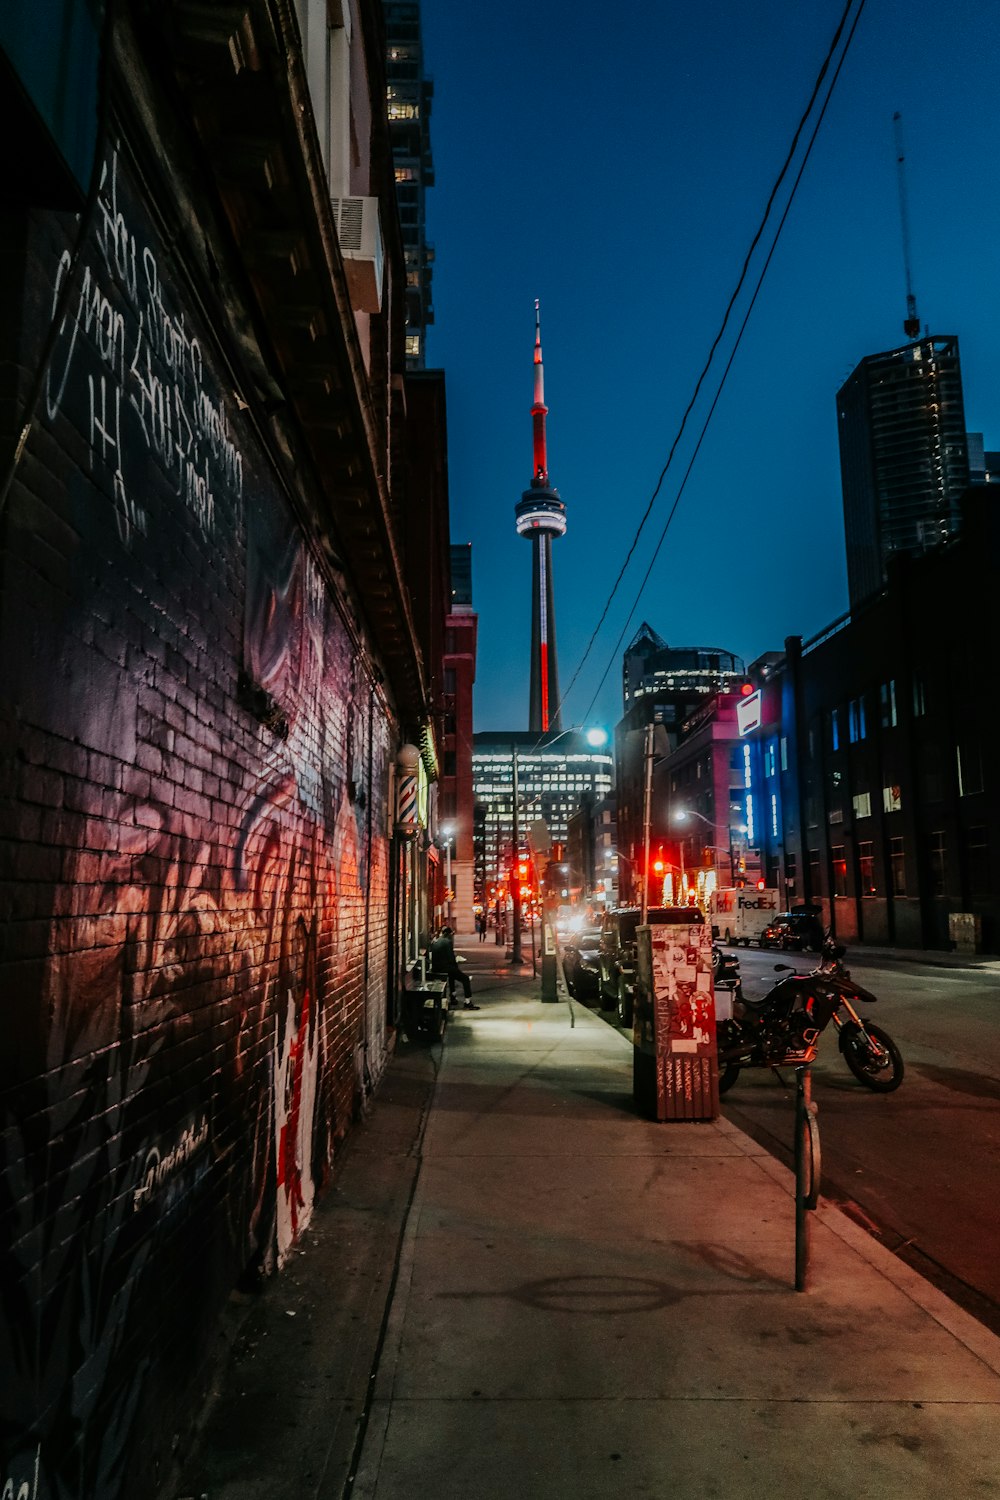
{"x": 740, "y": 913}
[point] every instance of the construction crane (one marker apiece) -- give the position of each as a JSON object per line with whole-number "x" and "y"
{"x": 911, "y": 324}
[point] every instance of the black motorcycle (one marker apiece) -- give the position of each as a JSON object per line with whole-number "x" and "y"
{"x": 784, "y": 1027}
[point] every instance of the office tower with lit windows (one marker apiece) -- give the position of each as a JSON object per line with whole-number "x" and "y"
{"x": 410, "y": 94}
{"x": 904, "y": 459}
{"x": 553, "y": 774}
{"x": 541, "y": 515}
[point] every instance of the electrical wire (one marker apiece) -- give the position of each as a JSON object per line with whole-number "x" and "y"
{"x": 786, "y": 165}
{"x": 729, "y": 363}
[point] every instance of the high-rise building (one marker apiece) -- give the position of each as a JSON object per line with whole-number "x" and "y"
{"x": 904, "y": 459}
{"x": 410, "y": 94}
{"x": 541, "y": 515}
{"x": 666, "y": 686}
{"x": 546, "y": 775}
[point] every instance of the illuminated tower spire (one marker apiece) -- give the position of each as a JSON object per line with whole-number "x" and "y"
{"x": 541, "y": 515}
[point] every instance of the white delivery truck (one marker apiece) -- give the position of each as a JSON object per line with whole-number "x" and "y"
{"x": 740, "y": 913}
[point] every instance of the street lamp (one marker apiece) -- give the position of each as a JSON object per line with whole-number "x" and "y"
{"x": 681, "y": 816}
{"x": 447, "y": 831}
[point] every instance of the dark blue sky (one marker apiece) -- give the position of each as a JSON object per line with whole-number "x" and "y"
{"x": 614, "y": 161}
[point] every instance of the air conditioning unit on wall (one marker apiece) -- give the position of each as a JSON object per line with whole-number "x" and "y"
{"x": 360, "y": 233}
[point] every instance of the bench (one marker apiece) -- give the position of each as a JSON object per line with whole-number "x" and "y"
{"x": 425, "y": 1009}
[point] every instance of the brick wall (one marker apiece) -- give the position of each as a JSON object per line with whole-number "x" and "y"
{"x": 194, "y": 867}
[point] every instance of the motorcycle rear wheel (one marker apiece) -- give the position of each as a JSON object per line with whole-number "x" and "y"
{"x": 879, "y": 1067}
{"x": 728, "y": 1071}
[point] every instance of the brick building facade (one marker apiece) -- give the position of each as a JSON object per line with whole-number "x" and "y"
{"x": 209, "y": 665}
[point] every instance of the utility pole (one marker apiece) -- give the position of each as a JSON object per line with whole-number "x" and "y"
{"x": 647, "y": 798}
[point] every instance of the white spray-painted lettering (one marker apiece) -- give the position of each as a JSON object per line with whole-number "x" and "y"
{"x": 15, "y": 1488}
{"x": 149, "y": 363}
{"x": 158, "y": 1168}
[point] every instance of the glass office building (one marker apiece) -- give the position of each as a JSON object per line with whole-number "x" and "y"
{"x": 553, "y": 774}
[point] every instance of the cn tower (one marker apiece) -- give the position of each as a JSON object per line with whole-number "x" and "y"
{"x": 540, "y": 516}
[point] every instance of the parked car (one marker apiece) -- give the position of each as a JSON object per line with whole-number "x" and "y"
{"x": 801, "y": 930}
{"x": 581, "y": 952}
{"x": 618, "y": 952}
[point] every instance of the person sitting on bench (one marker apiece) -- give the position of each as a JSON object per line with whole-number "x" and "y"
{"x": 444, "y": 965}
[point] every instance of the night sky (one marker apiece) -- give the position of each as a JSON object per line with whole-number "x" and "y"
{"x": 614, "y": 161}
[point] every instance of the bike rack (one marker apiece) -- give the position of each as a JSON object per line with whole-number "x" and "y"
{"x": 808, "y": 1165}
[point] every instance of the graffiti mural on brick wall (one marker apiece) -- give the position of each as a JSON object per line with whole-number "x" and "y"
{"x": 125, "y": 347}
{"x": 200, "y": 1006}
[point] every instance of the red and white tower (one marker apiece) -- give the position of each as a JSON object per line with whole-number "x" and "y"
{"x": 541, "y": 515}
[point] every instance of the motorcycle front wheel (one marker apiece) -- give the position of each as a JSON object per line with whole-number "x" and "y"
{"x": 872, "y": 1056}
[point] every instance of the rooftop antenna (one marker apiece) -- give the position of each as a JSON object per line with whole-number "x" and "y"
{"x": 911, "y": 324}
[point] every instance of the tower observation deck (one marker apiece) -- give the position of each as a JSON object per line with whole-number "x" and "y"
{"x": 540, "y": 515}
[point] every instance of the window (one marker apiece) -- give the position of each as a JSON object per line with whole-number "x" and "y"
{"x": 449, "y": 763}
{"x": 862, "y": 805}
{"x": 935, "y": 862}
{"x": 919, "y": 696}
{"x": 892, "y": 799}
{"x": 834, "y": 726}
{"x": 839, "y": 868}
{"x": 897, "y": 867}
{"x": 887, "y": 695}
{"x": 866, "y": 867}
{"x": 790, "y": 869}
{"x": 969, "y": 758}
{"x": 856, "y": 719}
{"x": 449, "y": 679}
{"x": 815, "y": 883}
{"x": 977, "y": 854}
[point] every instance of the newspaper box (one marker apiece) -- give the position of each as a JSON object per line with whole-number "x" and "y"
{"x": 675, "y": 1065}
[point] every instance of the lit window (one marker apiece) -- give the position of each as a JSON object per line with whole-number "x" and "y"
{"x": 892, "y": 800}
{"x": 839, "y": 870}
{"x": 887, "y": 694}
{"x": 863, "y": 805}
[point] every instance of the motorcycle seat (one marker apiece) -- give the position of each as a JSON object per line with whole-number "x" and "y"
{"x": 755, "y": 1003}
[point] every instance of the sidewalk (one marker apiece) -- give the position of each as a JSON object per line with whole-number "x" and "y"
{"x": 578, "y": 1302}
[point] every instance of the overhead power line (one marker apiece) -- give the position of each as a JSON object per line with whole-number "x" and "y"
{"x": 729, "y": 362}
{"x": 858, "y": 6}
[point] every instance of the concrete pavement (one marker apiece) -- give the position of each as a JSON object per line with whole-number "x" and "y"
{"x": 519, "y": 1287}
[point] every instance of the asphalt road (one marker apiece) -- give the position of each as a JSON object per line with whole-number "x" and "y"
{"x": 919, "y": 1168}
